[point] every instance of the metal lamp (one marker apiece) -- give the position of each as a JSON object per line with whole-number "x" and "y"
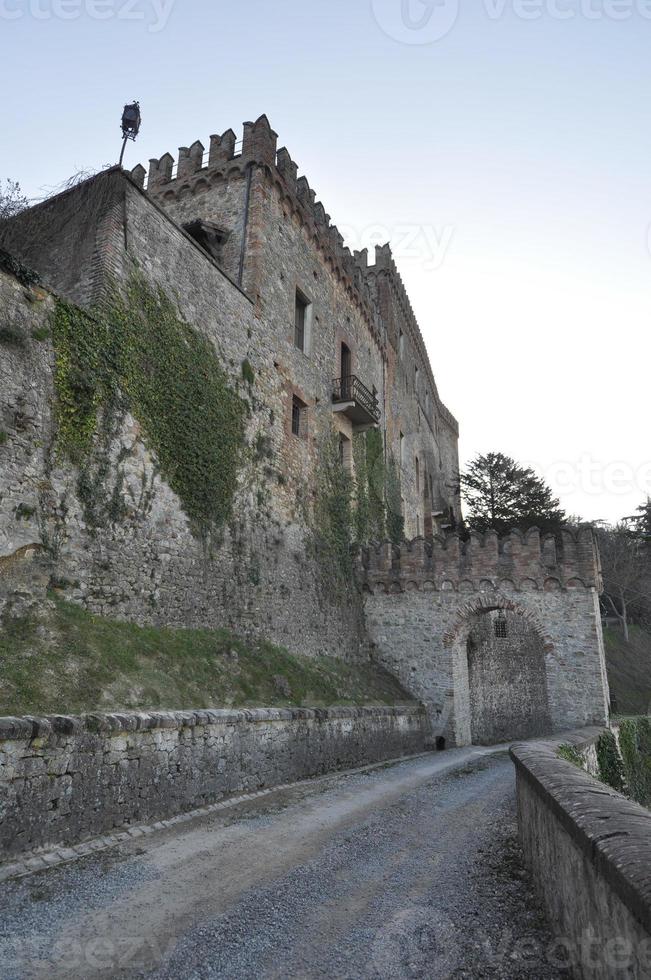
{"x": 130, "y": 125}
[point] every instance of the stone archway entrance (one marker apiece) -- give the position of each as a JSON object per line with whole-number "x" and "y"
{"x": 507, "y": 678}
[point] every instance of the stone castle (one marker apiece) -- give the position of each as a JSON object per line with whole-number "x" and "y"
{"x": 499, "y": 639}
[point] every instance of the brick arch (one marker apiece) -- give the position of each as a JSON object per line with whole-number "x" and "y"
{"x": 483, "y": 604}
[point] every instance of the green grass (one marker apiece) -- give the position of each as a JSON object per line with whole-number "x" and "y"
{"x": 67, "y": 661}
{"x": 629, "y": 670}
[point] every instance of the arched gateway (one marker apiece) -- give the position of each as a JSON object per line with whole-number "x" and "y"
{"x": 500, "y": 638}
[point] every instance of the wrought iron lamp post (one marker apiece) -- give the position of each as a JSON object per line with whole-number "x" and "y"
{"x": 130, "y": 125}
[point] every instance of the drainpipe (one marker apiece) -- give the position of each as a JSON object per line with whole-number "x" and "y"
{"x": 247, "y": 201}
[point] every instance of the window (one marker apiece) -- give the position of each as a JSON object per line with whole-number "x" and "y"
{"x": 417, "y": 475}
{"x": 346, "y": 453}
{"x": 500, "y": 625}
{"x": 417, "y": 525}
{"x": 402, "y": 449}
{"x": 401, "y": 344}
{"x": 346, "y": 361}
{"x": 301, "y": 321}
{"x": 298, "y": 417}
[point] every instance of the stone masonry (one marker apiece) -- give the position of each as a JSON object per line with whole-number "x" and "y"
{"x": 233, "y": 237}
{"x": 496, "y": 638}
{"x": 63, "y": 779}
{"x": 430, "y": 607}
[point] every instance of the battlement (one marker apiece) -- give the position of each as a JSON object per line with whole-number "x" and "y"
{"x": 197, "y": 169}
{"x": 386, "y": 266}
{"x": 485, "y": 562}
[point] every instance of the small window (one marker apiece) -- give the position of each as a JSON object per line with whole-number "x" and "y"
{"x": 346, "y": 453}
{"x": 401, "y": 344}
{"x": 402, "y": 449}
{"x": 417, "y": 475}
{"x": 300, "y": 320}
{"x": 298, "y": 417}
{"x": 500, "y": 625}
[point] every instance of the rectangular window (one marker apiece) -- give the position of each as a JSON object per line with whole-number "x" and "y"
{"x": 300, "y": 320}
{"x": 401, "y": 344}
{"x": 346, "y": 453}
{"x": 417, "y": 475}
{"x": 298, "y": 417}
{"x": 402, "y": 449}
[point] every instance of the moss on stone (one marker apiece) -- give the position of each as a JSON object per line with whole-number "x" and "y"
{"x": 571, "y": 754}
{"x": 66, "y": 660}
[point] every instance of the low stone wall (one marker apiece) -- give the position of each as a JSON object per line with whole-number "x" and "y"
{"x": 589, "y": 849}
{"x": 63, "y": 779}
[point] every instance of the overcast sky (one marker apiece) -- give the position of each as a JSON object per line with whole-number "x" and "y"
{"x": 504, "y": 146}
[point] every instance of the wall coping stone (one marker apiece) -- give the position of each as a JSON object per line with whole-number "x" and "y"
{"x": 613, "y": 833}
{"x": 29, "y": 727}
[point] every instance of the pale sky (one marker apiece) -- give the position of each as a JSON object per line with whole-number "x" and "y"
{"x": 503, "y": 147}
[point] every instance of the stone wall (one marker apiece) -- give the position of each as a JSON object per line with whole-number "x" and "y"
{"x": 425, "y": 603}
{"x": 260, "y": 578}
{"x": 590, "y": 853}
{"x": 260, "y": 575}
{"x": 63, "y": 779}
{"x": 291, "y": 244}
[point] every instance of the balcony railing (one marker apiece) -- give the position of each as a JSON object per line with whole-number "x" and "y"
{"x": 350, "y": 391}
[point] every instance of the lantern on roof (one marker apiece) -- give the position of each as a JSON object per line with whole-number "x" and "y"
{"x": 130, "y": 124}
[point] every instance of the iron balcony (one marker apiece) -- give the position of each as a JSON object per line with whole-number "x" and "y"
{"x": 353, "y": 398}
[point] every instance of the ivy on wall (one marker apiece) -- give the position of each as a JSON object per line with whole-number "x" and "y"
{"x": 623, "y": 761}
{"x": 333, "y": 523}
{"x": 9, "y": 263}
{"x": 370, "y": 486}
{"x": 635, "y": 750}
{"x": 378, "y": 495}
{"x": 395, "y": 519}
{"x": 138, "y": 354}
{"x": 609, "y": 762}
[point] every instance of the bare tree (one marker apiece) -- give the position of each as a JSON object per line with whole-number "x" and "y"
{"x": 623, "y": 562}
{"x": 12, "y": 199}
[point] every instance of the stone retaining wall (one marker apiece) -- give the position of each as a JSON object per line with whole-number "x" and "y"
{"x": 589, "y": 849}
{"x": 63, "y": 779}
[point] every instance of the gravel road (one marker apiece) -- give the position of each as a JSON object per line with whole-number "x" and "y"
{"x": 410, "y": 870}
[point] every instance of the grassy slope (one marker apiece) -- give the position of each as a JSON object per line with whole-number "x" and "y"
{"x": 629, "y": 671}
{"x": 68, "y": 661}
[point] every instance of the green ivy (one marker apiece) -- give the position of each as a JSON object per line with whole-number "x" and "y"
{"x": 333, "y": 522}
{"x": 395, "y": 520}
{"x": 9, "y": 263}
{"x": 570, "y": 754}
{"x": 138, "y": 354}
{"x": 247, "y": 372}
{"x": 634, "y": 745}
{"x": 610, "y": 765}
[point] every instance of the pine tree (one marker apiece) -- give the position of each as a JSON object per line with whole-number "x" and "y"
{"x": 502, "y": 495}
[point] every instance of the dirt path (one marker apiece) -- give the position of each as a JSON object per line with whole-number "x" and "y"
{"x": 405, "y": 871}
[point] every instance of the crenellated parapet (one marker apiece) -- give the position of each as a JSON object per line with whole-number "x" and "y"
{"x": 485, "y": 562}
{"x": 385, "y": 267}
{"x": 197, "y": 169}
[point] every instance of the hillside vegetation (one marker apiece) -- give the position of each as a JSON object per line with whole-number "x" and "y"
{"x": 65, "y": 660}
{"x": 629, "y": 670}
